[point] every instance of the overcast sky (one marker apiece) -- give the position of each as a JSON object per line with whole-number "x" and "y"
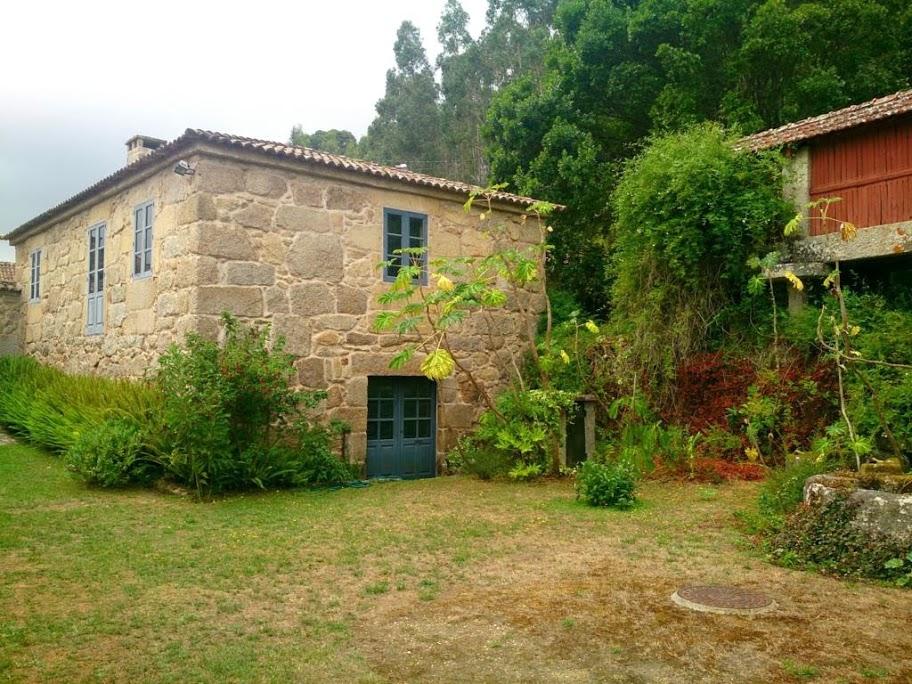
{"x": 79, "y": 78}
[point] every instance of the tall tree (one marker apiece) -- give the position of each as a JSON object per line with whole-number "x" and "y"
{"x": 620, "y": 70}
{"x": 407, "y": 126}
{"x": 333, "y": 141}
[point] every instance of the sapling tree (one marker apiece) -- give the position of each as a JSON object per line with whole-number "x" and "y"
{"x": 836, "y": 334}
{"x": 430, "y": 311}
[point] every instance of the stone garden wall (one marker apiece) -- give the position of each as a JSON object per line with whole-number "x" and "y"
{"x": 10, "y": 321}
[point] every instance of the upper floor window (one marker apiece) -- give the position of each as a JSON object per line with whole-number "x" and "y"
{"x": 142, "y": 239}
{"x": 35, "y": 276}
{"x": 403, "y": 230}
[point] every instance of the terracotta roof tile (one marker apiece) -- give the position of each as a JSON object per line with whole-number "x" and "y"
{"x": 305, "y": 155}
{"x": 831, "y": 122}
{"x": 8, "y": 276}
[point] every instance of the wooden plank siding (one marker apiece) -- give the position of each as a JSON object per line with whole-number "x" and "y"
{"x": 870, "y": 169}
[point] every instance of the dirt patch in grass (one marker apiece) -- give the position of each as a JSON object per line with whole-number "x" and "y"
{"x": 438, "y": 580}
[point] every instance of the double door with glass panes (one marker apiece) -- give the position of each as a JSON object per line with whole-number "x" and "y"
{"x": 401, "y": 427}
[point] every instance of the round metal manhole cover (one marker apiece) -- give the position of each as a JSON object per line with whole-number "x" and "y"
{"x": 726, "y": 600}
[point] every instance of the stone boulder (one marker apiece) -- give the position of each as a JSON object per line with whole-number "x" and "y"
{"x": 877, "y": 510}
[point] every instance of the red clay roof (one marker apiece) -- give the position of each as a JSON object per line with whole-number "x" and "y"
{"x": 305, "y": 155}
{"x": 831, "y": 122}
{"x": 8, "y": 276}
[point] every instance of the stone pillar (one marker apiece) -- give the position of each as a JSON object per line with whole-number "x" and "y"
{"x": 797, "y": 299}
{"x": 797, "y": 186}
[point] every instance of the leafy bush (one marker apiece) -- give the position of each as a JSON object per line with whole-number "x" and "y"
{"x": 884, "y": 335}
{"x": 527, "y": 428}
{"x": 524, "y": 472}
{"x": 785, "y": 408}
{"x": 230, "y": 418}
{"x": 113, "y": 454}
{"x": 473, "y": 457}
{"x": 824, "y": 537}
{"x": 606, "y": 484}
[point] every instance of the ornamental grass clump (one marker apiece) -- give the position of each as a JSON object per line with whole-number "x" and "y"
{"x": 54, "y": 410}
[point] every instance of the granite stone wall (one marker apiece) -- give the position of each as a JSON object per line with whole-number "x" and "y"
{"x": 142, "y": 315}
{"x": 301, "y": 252}
{"x": 10, "y": 321}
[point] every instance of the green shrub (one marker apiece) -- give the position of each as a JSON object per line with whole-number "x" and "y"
{"x": 606, "y": 484}
{"x": 472, "y": 457}
{"x": 523, "y": 472}
{"x": 113, "y": 454}
{"x": 230, "y": 418}
{"x": 528, "y": 427}
{"x": 823, "y": 537}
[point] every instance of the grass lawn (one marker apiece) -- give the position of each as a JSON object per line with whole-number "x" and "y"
{"x": 437, "y": 580}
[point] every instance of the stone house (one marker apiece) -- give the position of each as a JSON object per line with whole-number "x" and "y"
{"x": 10, "y": 335}
{"x": 274, "y": 234}
{"x": 863, "y": 155}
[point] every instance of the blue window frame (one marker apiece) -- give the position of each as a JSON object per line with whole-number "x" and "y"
{"x": 95, "y": 296}
{"x": 402, "y": 230}
{"x": 142, "y": 239}
{"x": 35, "y": 276}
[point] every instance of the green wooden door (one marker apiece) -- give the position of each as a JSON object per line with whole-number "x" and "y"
{"x": 401, "y": 427}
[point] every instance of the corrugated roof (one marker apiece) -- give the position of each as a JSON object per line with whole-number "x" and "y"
{"x": 305, "y": 155}
{"x": 8, "y": 276}
{"x": 842, "y": 119}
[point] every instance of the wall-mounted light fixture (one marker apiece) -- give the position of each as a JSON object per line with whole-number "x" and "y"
{"x": 183, "y": 168}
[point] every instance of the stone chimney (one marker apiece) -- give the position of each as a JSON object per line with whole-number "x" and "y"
{"x": 141, "y": 145}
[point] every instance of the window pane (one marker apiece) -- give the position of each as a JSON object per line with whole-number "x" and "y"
{"x": 371, "y": 430}
{"x": 409, "y": 429}
{"x": 394, "y": 224}
{"x": 386, "y": 429}
{"x": 393, "y": 242}
{"x": 137, "y": 241}
{"x": 424, "y": 428}
{"x": 392, "y": 271}
{"x": 100, "y": 260}
{"x": 100, "y": 281}
{"x": 409, "y": 408}
{"x": 149, "y": 215}
{"x": 148, "y": 238}
{"x": 91, "y": 283}
{"x": 137, "y": 263}
{"x": 92, "y": 259}
{"x": 416, "y": 230}
{"x": 424, "y": 408}
{"x": 386, "y": 409}
{"x": 147, "y": 265}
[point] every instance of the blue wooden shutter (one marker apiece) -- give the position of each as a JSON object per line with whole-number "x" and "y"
{"x": 95, "y": 298}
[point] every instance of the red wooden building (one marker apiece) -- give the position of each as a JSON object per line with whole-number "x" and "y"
{"x": 863, "y": 155}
